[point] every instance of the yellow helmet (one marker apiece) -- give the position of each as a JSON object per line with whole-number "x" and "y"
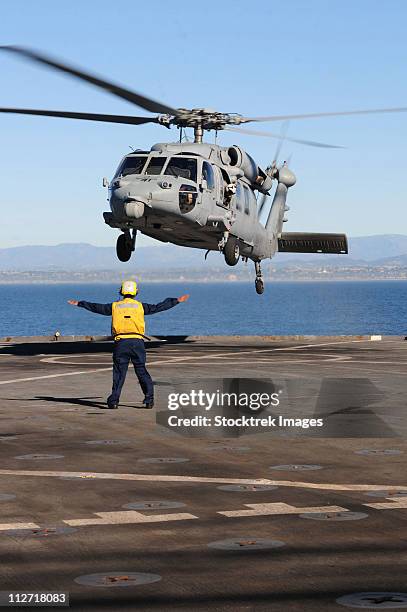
{"x": 128, "y": 288}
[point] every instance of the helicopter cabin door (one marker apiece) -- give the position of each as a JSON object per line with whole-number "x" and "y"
{"x": 246, "y": 206}
{"x": 208, "y": 185}
{"x": 219, "y": 187}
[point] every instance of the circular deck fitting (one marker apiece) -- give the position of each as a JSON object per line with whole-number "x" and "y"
{"x": 334, "y": 516}
{"x": 117, "y": 579}
{"x": 388, "y": 493}
{"x": 107, "y": 442}
{"x": 374, "y": 600}
{"x": 296, "y": 467}
{"x": 40, "y": 532}
{"x": 39, "y": 457}
{"x": 6, "y": 496}
{"x": 379, "y": 451}
{"x": 247, "y": 487}
{"x": 246, "y": 543}
{"x": 163, "y": 460}
{"x": 153, "y": 505}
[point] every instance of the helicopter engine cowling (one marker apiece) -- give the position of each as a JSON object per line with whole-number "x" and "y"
{"x": 242, "y": 160}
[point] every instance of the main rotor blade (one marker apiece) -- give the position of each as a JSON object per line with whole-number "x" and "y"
{"x": 87, "y": 116}
{"x": 283, "y": 134}
{"x": 402, "y": 109}
{"x": 310, "y": 143}
{"x": 128, "y": 119}
{"x": 117, "y": 90}
{"x": 263, "y": 200}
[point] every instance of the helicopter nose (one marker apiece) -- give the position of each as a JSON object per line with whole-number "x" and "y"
{"x": 120, "y": 194}
{"x": 118, "y": 198}
{"x": 124, "y": 205}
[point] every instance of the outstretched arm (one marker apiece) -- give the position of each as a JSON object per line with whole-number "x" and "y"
{"x": 150, "y": 309}
{"x": 103, "y": 309}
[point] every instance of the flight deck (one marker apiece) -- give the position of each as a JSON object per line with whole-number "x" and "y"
{"x": 123, "y": 512}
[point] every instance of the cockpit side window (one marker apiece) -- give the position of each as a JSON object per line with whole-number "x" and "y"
{"x": 246, "y": 200}
{"x": 238, "y": 197}
{"x": 208, "y": 175}
{"x": 131, "y": 165}
{"x": 253, "y": 200}
{"x": 156, "y": 165}
{"x": 183, "y": 167}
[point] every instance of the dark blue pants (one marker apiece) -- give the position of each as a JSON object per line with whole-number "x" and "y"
{"x": 124, "y": 351}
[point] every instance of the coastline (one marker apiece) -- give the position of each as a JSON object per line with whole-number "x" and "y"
{"x": 212, "y": 281}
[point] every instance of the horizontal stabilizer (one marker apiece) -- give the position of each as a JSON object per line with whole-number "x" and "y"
{"x": 291, "y": 242}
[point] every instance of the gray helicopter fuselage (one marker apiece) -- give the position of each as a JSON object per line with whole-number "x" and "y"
{"x": 178, "y": 193}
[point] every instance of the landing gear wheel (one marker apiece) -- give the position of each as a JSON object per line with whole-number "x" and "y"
{"x": 123, "y": 248}
{"x": 231, "y": 251}
{"x": 259, "y": 285}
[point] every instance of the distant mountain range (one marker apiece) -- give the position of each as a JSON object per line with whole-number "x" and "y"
{"x": 381, "y": 250}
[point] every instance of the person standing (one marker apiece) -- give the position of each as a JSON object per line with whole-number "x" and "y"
{"x": 128, "y": 329}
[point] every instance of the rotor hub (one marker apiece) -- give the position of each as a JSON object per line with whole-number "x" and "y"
{"x": 207, "y": 119}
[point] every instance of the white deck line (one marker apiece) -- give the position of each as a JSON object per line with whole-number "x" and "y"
{"x": 202, "y": 479}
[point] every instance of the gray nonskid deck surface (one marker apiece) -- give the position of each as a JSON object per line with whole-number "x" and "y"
{"x": 100, "y": 461}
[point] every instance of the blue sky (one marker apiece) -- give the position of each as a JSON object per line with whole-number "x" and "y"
{"x": 255, "y": 58}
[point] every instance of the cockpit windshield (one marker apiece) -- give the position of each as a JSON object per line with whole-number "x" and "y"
{"x": 156, "y": 165}
{"x": 132, "y": 165}
{"x": 183, "y": 167}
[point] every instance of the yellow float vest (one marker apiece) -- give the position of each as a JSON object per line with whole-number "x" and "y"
{"x": 127, "y": 319}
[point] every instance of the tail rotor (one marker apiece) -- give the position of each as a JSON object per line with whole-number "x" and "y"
{"x": 272, "y": 170}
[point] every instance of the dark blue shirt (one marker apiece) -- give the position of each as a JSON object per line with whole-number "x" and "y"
{"x": 149, "y": 309}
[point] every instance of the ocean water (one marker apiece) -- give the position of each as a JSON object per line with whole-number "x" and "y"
{"x": 322, "y": 308}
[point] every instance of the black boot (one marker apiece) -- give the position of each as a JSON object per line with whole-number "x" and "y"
{"x": 112, "y": 405}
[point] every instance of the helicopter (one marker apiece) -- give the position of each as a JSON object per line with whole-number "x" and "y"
{"x": 197, "y": 194}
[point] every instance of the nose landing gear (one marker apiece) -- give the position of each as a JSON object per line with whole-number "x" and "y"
{"x": 125, "y": 245}
{"x": 258, "y": 283}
